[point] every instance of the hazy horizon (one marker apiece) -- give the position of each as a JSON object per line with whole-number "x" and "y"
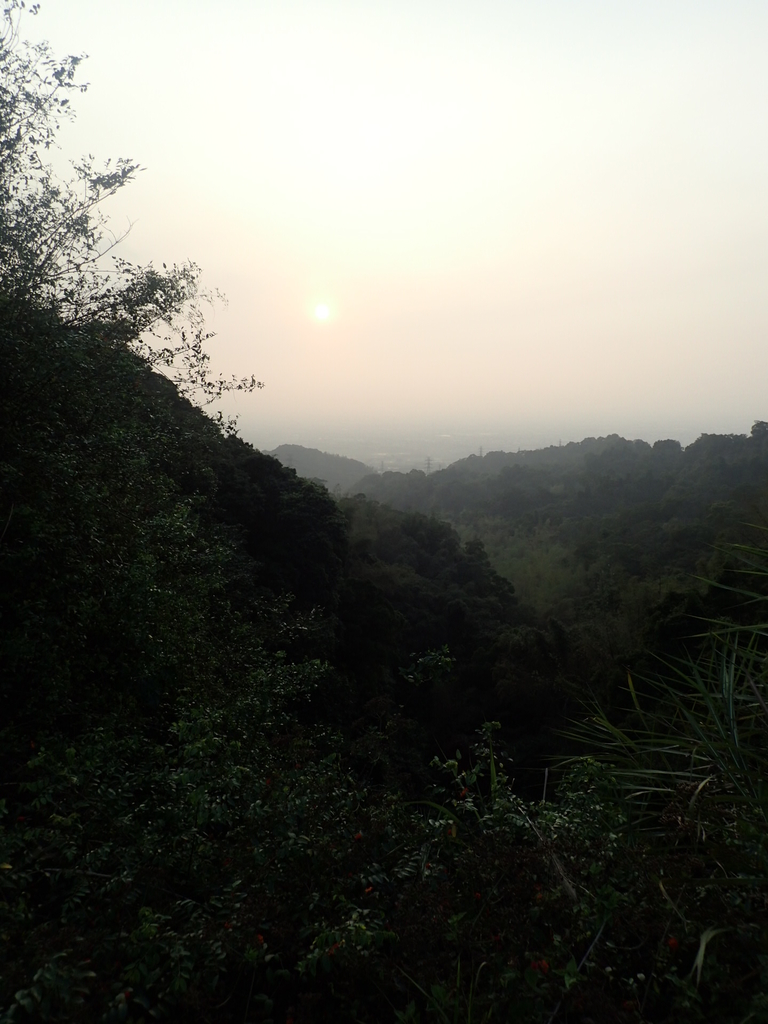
{"x": 529, "y": 221}
{"x": 401, "y": 448}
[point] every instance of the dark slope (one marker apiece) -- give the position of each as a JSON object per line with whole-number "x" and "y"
{"x": 136, "y": 535}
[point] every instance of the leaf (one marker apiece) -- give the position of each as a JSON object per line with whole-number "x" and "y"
{"x": 704, "y": 941}
{"x": 631, "y": 686}
{"x": 571, "y": 975}
{"x": 532, "y": 978}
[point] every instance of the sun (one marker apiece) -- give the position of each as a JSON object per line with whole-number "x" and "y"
{"x": 321, "y": 311}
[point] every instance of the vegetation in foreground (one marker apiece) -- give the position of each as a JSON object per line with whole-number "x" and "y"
{"x": 219, "y": 790}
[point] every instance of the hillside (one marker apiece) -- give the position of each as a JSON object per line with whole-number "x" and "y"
{"x": 555, "y": 521}
{"x": 336, "y": 472}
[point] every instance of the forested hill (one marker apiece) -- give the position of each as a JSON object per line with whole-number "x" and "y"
{"x": 558, "y": 520}
{"x": 336, "y": 472}
{"x": 593, "y": 476}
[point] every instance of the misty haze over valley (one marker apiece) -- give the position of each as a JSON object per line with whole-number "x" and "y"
{"x": 401, "y": 449}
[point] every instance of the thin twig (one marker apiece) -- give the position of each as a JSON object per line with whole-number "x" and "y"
{"x": 581, "y": 964}
{"x": 567, "y": 884}
{"x": 8, "y": 523}
{"x": 250, "y": 993}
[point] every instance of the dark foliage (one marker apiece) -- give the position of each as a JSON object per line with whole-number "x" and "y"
{"x": 138, "y": 539}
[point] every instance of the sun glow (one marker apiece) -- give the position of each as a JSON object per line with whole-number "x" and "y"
{"x": 322, "y": 312}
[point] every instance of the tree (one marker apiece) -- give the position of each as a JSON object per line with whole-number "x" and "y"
{"x": 56, "y": 246}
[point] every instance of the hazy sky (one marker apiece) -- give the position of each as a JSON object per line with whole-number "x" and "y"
{"x": 541, "y": 217}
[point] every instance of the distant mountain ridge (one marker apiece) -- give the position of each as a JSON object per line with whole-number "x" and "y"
{"x": 589, "y": 477}
{"x": 573, "y": 453}
{"x": 333, "y": 470}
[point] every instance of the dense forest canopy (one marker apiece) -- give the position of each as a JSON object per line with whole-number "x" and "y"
{"x": 266, "y": 755}
{"x": 605, "y": 536}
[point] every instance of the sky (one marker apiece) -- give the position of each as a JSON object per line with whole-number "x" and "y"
{"x": 526, "y": 222}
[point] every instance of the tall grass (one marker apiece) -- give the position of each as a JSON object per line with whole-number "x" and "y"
{"x": 689, "y": 757}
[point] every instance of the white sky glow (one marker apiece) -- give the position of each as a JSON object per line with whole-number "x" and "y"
{"x": 550, "y": 215}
